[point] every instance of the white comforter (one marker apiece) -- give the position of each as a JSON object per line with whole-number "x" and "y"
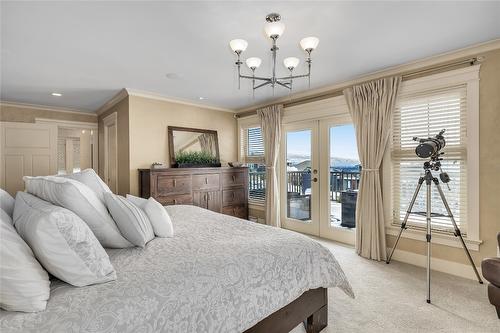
{"x": 217, "y": 274}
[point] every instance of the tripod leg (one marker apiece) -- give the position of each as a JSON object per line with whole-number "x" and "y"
{"x": 457, "y": 230}
{"x": 408, "y": 212}
{"x": 428, "y": 238}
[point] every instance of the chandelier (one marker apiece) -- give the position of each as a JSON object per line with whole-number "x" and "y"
{"x": 274, "y": 28}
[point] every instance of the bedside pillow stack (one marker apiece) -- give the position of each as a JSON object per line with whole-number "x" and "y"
{"x": 80, "y": 199}
{"x": 6, "y": 202}
{"x": 92, "y": 180}
{"x": 130, "y": 219}
{"x": 62, "y": 242}
{"x": 24, "y": 284}
{"x": 157, "y": 214}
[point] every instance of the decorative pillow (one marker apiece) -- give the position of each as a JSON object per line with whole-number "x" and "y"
{"x": 92, "y": 180}
{"x": 82, "y": 201}
{"x": 24, "y": 285}
{"x": 62, "y": 242}
{"x": 157, "y": 214}
{"x": 6, "y": 202}
{"x": 131, "y": 220}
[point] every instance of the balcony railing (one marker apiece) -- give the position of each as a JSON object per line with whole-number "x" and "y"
{"x": 300, "y": 181}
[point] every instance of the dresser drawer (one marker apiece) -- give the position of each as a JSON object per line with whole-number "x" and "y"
{"x": 173, "y": 185}
{"x": 210, "y": 181}
{"x": 240, "y": 211}
{"x": 185, "y": 199}
{"x": 233, "y": 197}
{"x": 236, "y": 178}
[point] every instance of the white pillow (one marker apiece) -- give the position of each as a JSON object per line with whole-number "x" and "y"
{"x": 92, "y": 180}
{"x": 82, "y": 201}
{"x": 130, "y": 219}
{"x": 157, "y": 214}
{"x": 24, "y": 285}
{"x": 5, "y": 217}
{"x": 6, "y": 202}
{"x": 62, "y": 242}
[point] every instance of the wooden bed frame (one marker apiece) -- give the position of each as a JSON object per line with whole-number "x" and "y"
{"x": 311, "y": 308}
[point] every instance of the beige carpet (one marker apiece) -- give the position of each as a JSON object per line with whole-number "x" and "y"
{"x": 391, "y": 298}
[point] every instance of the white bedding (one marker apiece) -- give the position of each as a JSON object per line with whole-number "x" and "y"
{"x": 217, "y": 274}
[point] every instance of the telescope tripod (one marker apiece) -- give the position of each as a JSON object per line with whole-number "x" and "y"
{"x": 428, "y": 178}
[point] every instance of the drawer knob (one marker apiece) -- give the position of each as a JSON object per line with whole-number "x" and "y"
{"x": 175, "y": 201}
{"x": 175, "y": 183}
{"x": 206, "y": 180}
{"x": 234, "y": 178}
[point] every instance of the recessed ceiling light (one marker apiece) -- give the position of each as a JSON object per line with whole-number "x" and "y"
{"x": 173, "y": 76}
{"x": 56, "y": 94}
{"x": 202, "y": 98}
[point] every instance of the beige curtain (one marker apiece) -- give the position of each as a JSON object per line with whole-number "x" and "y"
{"x": 270, "y": 118}
{"x": 371, "y": 106}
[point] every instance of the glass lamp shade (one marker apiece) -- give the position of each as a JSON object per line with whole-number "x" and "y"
{"x": 238, "y": 45}
{"x": 253, "y": 62}
{"x": 309, "y": 43}
{"x": 291, "y": 62}
{"x": 274, "y": 29}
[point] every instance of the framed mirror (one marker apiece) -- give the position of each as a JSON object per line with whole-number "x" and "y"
{"x": 193, "y": 147}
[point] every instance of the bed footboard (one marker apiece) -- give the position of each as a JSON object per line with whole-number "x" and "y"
{"x": 311, "y": 308}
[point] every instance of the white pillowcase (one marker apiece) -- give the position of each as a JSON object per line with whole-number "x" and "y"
{"x": 92, "y": 180}
{"x": 130, "y": 219}
{"x": 82, "y": 201}
{"x": 6, "y": 202}
{"x": 24, "y": 285}
{"x": 62, "y": 242}
{"x": 157, "y": 214}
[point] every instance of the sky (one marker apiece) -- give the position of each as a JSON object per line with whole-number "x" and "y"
{"x": 342, "y": 142}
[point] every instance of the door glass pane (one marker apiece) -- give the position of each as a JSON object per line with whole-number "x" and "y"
{"x": 344, "y": 176}
{"x": 298, "y": 175}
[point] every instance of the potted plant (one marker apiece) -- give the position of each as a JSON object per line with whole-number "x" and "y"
{"x": 195, "y": 159}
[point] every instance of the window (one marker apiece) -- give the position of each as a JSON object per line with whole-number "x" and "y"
{"x": 423, "y": 115}
{"x": 252, "y": 152}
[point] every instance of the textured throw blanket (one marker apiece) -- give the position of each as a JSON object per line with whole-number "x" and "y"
{"x": 217, "y": 274}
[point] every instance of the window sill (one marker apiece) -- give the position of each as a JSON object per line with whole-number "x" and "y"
{"x": 438, "y": 237}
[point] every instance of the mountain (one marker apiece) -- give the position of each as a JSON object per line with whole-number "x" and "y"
{"x": 303, "y": 162}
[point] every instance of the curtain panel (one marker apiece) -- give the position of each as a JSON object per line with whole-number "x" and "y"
{"x": 270, "y": 118}
{"x": 371, "y": 106}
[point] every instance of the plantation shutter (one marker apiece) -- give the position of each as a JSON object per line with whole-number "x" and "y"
{"x": 424, "y": 115}
{"x": 252, "y": 145}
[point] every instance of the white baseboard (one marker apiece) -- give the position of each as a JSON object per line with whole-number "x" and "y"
{"x": 441, "y": 265}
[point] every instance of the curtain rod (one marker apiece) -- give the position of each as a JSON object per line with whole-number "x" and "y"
{"x": 339, "y": 92}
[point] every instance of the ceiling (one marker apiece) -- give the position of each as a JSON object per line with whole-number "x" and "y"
{"x": 89, "y": 51}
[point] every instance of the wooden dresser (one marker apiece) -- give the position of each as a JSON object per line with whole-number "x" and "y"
{"x": 223, "y": 190}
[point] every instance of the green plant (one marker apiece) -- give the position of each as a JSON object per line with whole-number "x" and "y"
{"x": 194, "y": 157}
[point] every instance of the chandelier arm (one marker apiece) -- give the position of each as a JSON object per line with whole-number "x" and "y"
{"x": 262, "y": 85}
{"x": 293, "y": 77}
{"x": 283, "y": 84}
{"x": 256, "y": 78}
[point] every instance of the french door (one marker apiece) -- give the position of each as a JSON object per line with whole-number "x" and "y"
{"x": 319, "y": 178}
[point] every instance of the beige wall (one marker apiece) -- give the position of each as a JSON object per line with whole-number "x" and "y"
{"x": 122, "y": 113}
{"x": 27, "y": 114}
{"x": 149, "y": 119}
{"x": 489, "y": 167}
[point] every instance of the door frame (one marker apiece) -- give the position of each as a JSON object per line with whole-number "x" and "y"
{"x": 312, "y": 227}
{"x": 109, "y": 121}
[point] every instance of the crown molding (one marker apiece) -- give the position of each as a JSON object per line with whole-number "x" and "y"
{"x": 48, "y": 108}
{"x": 113, "y": 101}
{"x": 394, "y": 70}
{"x": 159, "y": 97}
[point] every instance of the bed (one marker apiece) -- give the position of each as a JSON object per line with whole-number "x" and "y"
{"x": 217, "y": 274}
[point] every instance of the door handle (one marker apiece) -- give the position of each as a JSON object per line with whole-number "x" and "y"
{"x": 315, "y": 179}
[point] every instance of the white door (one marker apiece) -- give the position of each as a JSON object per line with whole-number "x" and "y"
{"x": 299, "y": 166}
{"x": 319, "y": 168}
{"x": 111, "y": 152}
{"x": 340, "y": 179}
{"x": 26, "y": 150}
